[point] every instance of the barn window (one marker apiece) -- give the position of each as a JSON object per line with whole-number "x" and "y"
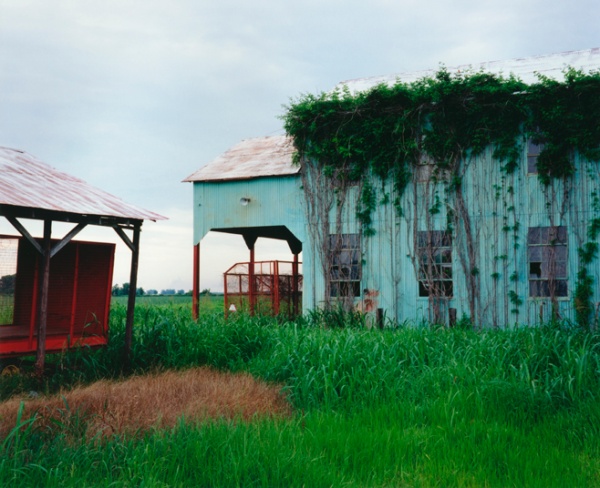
{"x": 547, "y": 258}
{"x": 345, "y": 265}
{"x": 533, "y": 152}
{"x": 434, "y": 251}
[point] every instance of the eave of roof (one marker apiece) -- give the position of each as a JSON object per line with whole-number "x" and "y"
{"x": 526, "y": 69}
{"x": 25, "y": 181}
{"x": 251, "y": 158}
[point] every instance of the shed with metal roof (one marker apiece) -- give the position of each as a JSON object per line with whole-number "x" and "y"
{"x": 252, "y": 190}
{"x": 56, "y": 303}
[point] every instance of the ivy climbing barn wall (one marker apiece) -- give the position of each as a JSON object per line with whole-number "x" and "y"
{"x": 476, "y": 196}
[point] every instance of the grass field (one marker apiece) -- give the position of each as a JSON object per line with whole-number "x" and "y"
{"x": 400, "y": 407}
{"x": 208, "y": 304}
{"x": 7, "y": 303}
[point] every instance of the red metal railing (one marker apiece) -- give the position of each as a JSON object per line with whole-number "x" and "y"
{"x": 265, "y": 287}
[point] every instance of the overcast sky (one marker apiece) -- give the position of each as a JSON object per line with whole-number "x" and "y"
{"x": 133, "y": 96}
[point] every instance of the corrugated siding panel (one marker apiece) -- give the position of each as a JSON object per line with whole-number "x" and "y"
{"x": 272, "y": 201}
{"x": 501, "y": 207}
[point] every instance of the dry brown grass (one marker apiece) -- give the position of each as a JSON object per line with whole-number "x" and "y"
{"x": 144, "y": 402}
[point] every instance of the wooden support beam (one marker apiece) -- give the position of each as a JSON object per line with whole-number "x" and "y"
{"x": 135, "y": 255}
{"x": 57, "y": 247}
{"x": 65, "y": 240}
{"x": 44, "y": 276}
{"x": 125, "y": 237}
{"x": 23, "y": 231}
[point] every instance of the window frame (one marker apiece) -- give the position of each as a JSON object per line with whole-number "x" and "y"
{"x": 345, "y": 265}
{"x": 547, "y": 262}
{"x": 534, "y": 150}
{"x": 434, "y": 251}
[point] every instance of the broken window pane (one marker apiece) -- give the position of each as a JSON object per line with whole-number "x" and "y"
{"x": 535, "y": 270}
{"x": 547, "y": 254}
{"x": 345, "y": 270}
{"x": 435, "y": 263}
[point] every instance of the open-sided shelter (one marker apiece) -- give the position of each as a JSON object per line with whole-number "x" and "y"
{"x": 461, "y": 195}
{"x": 253, "y": 190}
{"x": 56, "y": 291}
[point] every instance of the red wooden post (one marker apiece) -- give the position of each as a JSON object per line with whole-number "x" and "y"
{"x": 196, "y": 283}
{"x": 276, "y": 297}
{"x": 251, "y": 295}
{"x": 225, "y": 296}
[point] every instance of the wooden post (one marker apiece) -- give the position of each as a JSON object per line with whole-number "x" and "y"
{"x": 251, "y": 295}
{"x": 275, "y": 288}
{"x": 226, "y": 296}
{"x": 196, "y": 283}
{"x": 451, "y": 317}
{"x": 379, "y": 318}
{"x": 44, "y": 276}
{"x": 295, "y": 296}
{"x": 135, "y": 254}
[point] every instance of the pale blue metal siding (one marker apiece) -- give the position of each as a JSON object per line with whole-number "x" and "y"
{"x": 501, "y": 207}
{"x": 272, "y": 201}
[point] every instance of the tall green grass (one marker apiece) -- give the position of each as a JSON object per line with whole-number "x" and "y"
{"x": 407, "y": 406}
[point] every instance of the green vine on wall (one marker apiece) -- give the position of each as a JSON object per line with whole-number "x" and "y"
{"x": 445, "y": 122}
{"x": 388, "y": 130}
{"x": 588, "y": 252}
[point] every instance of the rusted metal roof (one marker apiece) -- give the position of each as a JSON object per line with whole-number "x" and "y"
{"x": 25, "y": 181}
{"x": 526, "y": 69}
{"x": 251, "y": 158}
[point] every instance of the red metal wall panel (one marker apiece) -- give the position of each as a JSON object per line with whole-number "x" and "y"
{"x": 78, "y": 300}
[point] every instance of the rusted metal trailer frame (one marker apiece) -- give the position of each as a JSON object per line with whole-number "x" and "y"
{"x": 263, "y": 287}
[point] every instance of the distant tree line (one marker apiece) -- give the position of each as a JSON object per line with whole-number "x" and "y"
{"x": 171, "y": 291}
{"x": 119, "y": 291}
{"x": 123, "y": 290}
{"x": 7, "y": 284}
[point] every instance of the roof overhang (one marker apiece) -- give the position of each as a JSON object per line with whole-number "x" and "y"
{"x": 33, "y": 189}
{"x": 260, "y": 157}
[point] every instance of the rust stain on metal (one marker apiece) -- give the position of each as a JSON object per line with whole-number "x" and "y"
{"x": 251, "y": 158}
{"x": 25, "y": 181}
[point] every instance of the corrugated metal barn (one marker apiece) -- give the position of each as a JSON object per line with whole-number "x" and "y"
{"x": 55, "y": 293}
{"x": 525, "y": 236}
